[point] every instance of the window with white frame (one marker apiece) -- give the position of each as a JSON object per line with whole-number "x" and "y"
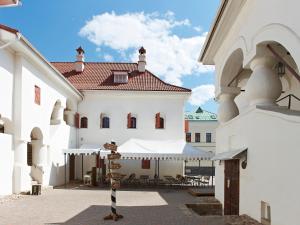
{"x": 120, "y": 77}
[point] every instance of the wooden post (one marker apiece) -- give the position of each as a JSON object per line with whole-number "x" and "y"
{"x": 114, "y": 180}
{"x": 65, "y": 157}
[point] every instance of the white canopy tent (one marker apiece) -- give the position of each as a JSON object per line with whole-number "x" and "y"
{"x": 163, "y": 150}
{"x": 138, "y": 149}
{"x": 85, "y": 149}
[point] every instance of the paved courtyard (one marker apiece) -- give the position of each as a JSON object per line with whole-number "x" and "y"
{"x": 87, "y": 207}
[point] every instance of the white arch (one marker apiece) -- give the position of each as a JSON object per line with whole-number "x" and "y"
{"x": 275, "y": 32}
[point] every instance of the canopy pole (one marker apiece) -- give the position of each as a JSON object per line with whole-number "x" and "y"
{"x": 155, "y": 168}
{"x": 212, "y": 173}
{"x": 65, "y": 157}
{"x": 82, "y": 167}
{"x": 158, "y": 168}
{"x": 199, "y": 167}
{"x": 99, "y": 170}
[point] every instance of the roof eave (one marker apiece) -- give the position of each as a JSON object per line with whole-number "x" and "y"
{"x": 208, "y": 40}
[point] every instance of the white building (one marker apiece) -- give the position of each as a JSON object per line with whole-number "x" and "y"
{"x": 200, "y": 129}
{"x": 33, "y": 98}
{"x": 255, "y": 47}
{"x": 200, "y": 132}
{"x": 43, "y": 111}
{"x": 124, "y": 101}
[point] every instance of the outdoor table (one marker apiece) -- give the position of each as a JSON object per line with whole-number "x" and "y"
{"x": 144, "y": 179}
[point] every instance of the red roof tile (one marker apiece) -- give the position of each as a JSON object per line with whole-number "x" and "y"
{"x": 99, "y": 76}
{"x": 9, "y": 29}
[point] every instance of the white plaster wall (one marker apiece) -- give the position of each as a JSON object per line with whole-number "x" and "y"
{"x": 6, "y": 164}
{"x": 61, "y": 137}
{"x": 272, "y": 171}
{"x": 271, "y": 138}
{"x": 142, "y": 104}
{"x": 118, "y": 104}
{"x": 203, "y": 127}
{"x": 253, "y": 26}
{"x": 30, "y": 115}
{"x": 6, "y": 83}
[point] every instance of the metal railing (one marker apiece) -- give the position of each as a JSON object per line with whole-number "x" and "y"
{"x": 289, "y": 97}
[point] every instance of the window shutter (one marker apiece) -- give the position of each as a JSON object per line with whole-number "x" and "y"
{"x": 186, "y": 126}
{"x": 157, "y": 120}
{"x": 77, "y": 119}
{"x": 101, "y": 120}
{"x": 145, "y": 164}
{"x": 37, "y": 95}
{"x": 129, "y": 120}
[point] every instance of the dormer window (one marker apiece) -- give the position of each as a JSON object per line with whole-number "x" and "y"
{"x": 120, "y": 77}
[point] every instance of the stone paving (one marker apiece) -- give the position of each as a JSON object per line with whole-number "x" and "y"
{"x": 87, "y": 207}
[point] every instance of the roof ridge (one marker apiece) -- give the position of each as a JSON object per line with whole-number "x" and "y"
{"x": 96, "y": 62}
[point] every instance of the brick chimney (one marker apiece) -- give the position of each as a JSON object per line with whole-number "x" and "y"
{"x": 142, "y": 60}
{"x": 79, "y": 64}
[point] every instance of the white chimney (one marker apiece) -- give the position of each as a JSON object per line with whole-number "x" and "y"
{"x": 142, "y": 60}
{"x": 79, "y": 64}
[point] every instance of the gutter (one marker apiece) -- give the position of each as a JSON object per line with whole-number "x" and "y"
{"x": 213, "y": 29}
{"x": 12, "y": 41}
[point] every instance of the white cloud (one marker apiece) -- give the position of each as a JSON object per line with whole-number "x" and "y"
{"x": 198, "y": 28}
{"x": 168, "y": 55}
{"x": 108, "y": 58}
{"x": 202, "y": 94}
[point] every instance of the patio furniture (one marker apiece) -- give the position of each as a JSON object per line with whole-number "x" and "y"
{"x": 144, "y": 179}
{"x": 205, "y": 180}
{"x": 87, "y": 179}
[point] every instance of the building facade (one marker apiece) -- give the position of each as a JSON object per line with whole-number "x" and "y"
{"x": 254, "y": 46}
{"x": 200, "y": 132}
{"x": 200, "y": 129}
{"x": 46, "y": 107}
{"x": 116, "y": 104}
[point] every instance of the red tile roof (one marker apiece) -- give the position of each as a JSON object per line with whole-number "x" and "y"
{"x": 99, "y": 76}
{"x": 9, "y": 29}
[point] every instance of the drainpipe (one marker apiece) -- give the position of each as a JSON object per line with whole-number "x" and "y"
{"x": 11, "y": 42}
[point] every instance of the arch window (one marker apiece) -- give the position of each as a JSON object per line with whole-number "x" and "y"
{"x": 105, "y": 122}
{"x": 84, "y": 122}
{"x": 131, "y": 121}
{"x": 159, "y": 121}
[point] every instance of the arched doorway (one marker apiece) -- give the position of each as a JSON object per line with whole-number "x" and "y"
{"x": 36, "y": 155}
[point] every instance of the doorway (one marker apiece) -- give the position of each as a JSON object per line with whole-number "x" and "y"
{"x": 231, "y": 187}
{"x": 72, "y": 167}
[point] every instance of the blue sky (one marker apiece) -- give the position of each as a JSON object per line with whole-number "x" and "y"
{"x": 172, "y": 32}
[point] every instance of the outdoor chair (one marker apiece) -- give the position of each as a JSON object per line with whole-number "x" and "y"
{"x": 144, "y": 179}
{"x": 205, "y": 180}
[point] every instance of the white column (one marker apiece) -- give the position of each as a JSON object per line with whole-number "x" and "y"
{"x": 57, "y": 115}
{"x": 69, "y": 117}
{"x": 21, "y": 170}
{"x": 227, "y": 108}
{"x": 264, "y": 86}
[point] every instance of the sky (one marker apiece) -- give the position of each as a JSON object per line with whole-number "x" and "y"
{"x": 172, "y": 31}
